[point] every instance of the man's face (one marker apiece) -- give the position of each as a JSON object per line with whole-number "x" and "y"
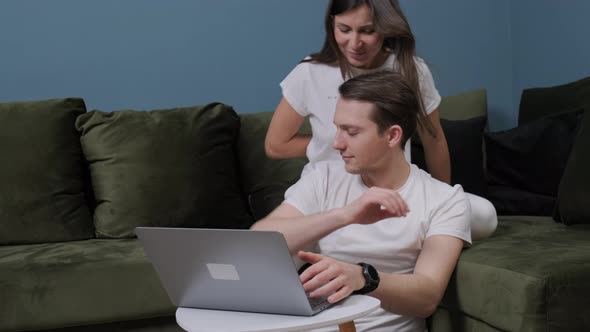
{"x": 357, "y": 139}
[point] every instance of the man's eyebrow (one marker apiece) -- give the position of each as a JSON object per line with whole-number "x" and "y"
{"x": 346, "y": 127}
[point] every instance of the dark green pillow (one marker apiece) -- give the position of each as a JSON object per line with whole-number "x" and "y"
{"x": 536, "y": 103}
{"x": 42, "y": 173}
{"x": 170, "y": 168}
{"x": 264, "y": 180}
{"x": 573, "y": 196}
{"x": 465, "y": 141}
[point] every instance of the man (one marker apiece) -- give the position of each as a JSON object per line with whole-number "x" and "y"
{"x": 405, "y": 228}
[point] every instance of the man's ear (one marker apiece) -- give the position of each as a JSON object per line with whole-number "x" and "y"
{"x": 394, "y": 135}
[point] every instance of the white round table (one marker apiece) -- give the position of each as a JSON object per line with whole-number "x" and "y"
{"x": 342, "y": 313}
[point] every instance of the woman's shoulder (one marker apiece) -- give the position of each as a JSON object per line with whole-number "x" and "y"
{"x": 312, "y": 64}
{"x": 420, "y": 62}
{"x": 311, "y": 69}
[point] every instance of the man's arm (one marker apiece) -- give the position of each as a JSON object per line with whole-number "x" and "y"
{"x": 416, "y": 294}
{"x": 300, "y": 231}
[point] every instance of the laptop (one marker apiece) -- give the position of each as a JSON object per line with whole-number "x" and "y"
{"x": 227, "y": 269}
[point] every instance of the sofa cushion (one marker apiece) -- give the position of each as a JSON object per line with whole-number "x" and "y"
{"x": 536, "y": 103}
{"x": 513, "y": 201}
{"x": 42, "y": 173}
{"x": 264, "y": 180}
{"x": 573, "y": 199}
{"x": 78, "y": 283}
{"x": 444, "y": 320}
{"x": 465, "y": 142}
{"x": 463, "y": 106}
{"x": 531, "y": 275}
{"x": 173, "y": 168}
{"x": 463, "y": 119}
{"x": 531, "y": 157}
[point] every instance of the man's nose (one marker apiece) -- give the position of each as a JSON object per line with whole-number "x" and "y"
{"x": 338, "y": 143}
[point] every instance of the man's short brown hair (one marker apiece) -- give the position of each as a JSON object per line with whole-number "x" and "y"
{"x": 395, "y": 102}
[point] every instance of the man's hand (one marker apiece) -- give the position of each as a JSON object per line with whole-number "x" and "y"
{"x": 376, "y": 204}
{"x": 327, "y": 276}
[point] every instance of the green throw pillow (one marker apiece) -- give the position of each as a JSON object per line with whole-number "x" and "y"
{"x": 170, "y": 168}
{"x": 573, "y": 196}
{"x": 536, "y": 103}
{"x": 42, "y": 173}
{"x": 264, "y": 180}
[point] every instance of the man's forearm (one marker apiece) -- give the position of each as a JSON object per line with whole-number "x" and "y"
{"x": 408, "y": 294}
{"x": 419, "y": 293}
{"x": 303, "y": 230}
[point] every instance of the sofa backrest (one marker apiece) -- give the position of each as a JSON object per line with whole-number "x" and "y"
{"x": 42, "y": 178}
{"x": 264, "y": 180}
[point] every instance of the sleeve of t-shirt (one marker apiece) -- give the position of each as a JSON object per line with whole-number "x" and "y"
{"x": 307, "y": 194}
{"x": 452, "y": 216}
{"x": 294, "y": 88}
{"x": 430, "y": 95}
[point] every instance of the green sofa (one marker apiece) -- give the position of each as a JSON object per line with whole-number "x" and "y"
{"x": 76, "y": 183}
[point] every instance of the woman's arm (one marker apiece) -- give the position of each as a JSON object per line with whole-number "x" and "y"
{"x": 436, "y": 150}
{"x": 282, "y": 140}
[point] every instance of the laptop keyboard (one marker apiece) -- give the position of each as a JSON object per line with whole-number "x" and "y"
{"x": 318, "y": 303}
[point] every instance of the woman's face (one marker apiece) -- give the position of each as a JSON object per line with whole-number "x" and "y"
{"x": 357, "y": 40}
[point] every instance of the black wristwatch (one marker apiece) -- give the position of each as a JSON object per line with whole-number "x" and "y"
{"x": 371, "y": 279}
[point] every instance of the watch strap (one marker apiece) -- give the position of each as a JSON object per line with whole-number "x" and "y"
{"x": 371, "y": 279}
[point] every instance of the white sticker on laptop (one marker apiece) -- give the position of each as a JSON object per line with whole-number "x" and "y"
{"x": 223, "y": 271}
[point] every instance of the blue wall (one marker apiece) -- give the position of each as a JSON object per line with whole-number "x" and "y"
{"x": 550, "y": 43}
{"x": 467, "y": 45}
{"x": 147, "y": 54}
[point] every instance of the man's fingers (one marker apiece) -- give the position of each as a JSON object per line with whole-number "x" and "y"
{"x": 309, "y": 257}
{"x": 337, "y": 289}
{"x": 339, "y": 295}
{"x": 391, "y": 202}
{"x": 314, "y": 269}
{"x": 316, "y": 276}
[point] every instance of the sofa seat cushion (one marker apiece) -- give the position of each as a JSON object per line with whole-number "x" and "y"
{"x": 531, "y": 275}
{"x": 78, "y": 283}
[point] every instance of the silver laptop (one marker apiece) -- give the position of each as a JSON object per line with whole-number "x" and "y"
{"x": 222, "y": 269}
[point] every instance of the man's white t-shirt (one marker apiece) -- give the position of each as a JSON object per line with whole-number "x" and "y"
{"x": 312, "y": 90}
{"x": 391, "y": 245}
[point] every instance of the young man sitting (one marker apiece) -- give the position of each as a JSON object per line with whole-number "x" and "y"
{"x": 380, "y": 226}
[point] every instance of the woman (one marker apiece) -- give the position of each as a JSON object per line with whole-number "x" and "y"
{"x": 362, "y": 36}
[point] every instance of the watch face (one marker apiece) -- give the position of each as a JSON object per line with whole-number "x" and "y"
{"x": 373, "y": 272}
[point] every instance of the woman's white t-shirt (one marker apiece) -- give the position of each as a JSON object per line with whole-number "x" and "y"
{"x": 312, "y": 90}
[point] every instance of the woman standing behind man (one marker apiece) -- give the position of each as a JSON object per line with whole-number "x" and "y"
{"x": 362, "y": 36}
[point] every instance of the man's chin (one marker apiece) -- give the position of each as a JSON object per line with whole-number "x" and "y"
{"x": 351, "y": 169}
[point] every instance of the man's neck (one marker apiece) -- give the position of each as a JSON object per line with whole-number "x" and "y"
{"x": 393, "y": 176}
